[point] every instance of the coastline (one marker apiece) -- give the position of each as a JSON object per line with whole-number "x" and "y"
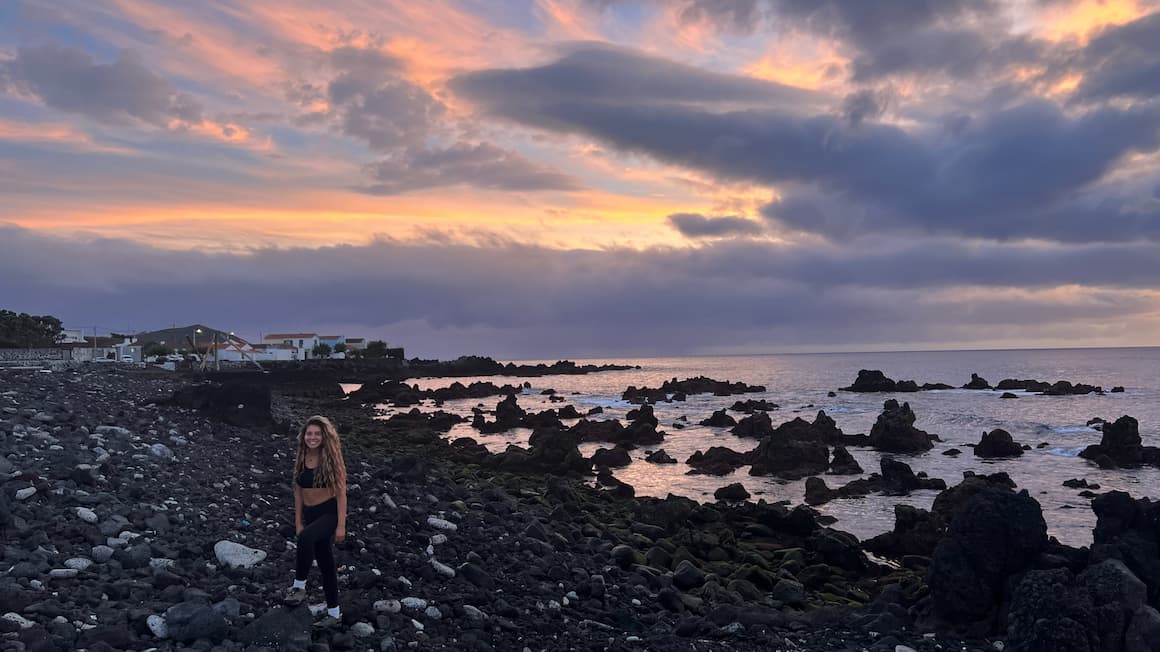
{"x": 536, "y": 561}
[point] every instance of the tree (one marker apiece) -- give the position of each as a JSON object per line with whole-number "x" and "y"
{"x": 375, "y": 349}
{"x": 340, "y": 347}
{"x": 321, "y": 350}
{"x": 157, "y": 349}
{"x": 25, "y": 330}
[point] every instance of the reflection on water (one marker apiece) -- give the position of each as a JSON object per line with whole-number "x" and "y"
{"x": 799, "y": 384}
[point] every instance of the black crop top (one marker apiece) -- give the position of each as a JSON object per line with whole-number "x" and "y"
{"x": 306, "y": 478}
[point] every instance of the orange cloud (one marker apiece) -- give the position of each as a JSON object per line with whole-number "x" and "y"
{"x": 801, "y": 61}
{"x": 57, "y": 134}
{"x": 1081, "y": 18}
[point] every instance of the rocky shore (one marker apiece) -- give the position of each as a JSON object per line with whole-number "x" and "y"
{"x": 152, "y": 512}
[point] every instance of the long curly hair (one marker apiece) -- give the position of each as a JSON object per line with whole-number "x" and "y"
{"x": 331, "y": 470}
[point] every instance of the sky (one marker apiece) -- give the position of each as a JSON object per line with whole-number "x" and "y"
{"x": 588, "y": 178}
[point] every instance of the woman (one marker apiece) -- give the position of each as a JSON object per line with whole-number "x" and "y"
{"x": 319, "y": 511}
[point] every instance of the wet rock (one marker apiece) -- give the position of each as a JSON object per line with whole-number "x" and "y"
{"x": 718, "y": 460}
{"x": 844, "y": 463}
{"x": 734, "y": 491}
{"x": 720, "y": 419}
{"x": 611, "y": 457}
{"x": 977, "y": 382}
{"x": 789, "y": 459}
{"x": 998, "y": 443}
{"x": 1121, "y": 444}
{"x": 659, "y": 456}
{"x": 894, "y": 431}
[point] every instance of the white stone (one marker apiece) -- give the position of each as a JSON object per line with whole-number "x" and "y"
{"x": 87, "y": 515}
{"x": 78, "y": 563}
{"x": 389, "y": 502}
{"x": 235, "y": 555}
{"x": 438, "y": 539}
{"x": 414, "y": 603}
{"x": 62, "y": 573}
{"x": 113, "y": 430}
{"x": 158, "y": 626}
{"x": 362, "y": 630}
{"x": 999, "y": 645}
{"x": 416, "y": 624}
{"x": 389, "y": 606}
{"x": 442, "y": 569}
{"x": 26, "y": 493}
{"x": 903, "y": 648}
{"x": 23, "y": 622}
{"x": 441, "y": 524}
{"x": 433, "y": 613}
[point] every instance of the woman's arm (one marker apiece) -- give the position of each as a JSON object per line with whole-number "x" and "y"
{"x": 340, "y": 531}
{"x": 297, "y": 509}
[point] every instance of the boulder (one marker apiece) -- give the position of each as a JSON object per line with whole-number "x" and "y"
{"x": 718, "y": 460}
{"x": 998, "y": 443}
{"x": 611, "y": 457}
{"x": 659, "y": 456}
{"x": 757, "y": 425}
{"x": 1121, "y": 444}
{"x": 894, "y": 431}
{"x": 734, "y": 491}
{"x": 791, "y": 460}
{"x": 844, "y": 463}
{"x": 235, "y": 555}
{"x": 189, "y": 621}
{"x": 977, "y": 382}
{"x": 720, "y": 419}
{"x": 996, "y": 535}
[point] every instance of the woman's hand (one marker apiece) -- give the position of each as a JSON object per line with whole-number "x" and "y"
{"x": 340, "y": 534}
{"x": 297, "y": 529}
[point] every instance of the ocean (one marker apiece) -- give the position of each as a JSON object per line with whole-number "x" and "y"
{"x": 799, "y": 383}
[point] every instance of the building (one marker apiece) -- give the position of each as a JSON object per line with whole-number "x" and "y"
{"x": 99, "y": 348}
{"x": 304, "y": 342}
{"x": 356, "y": 343}
{"x": 332, "y": 340}
{"x": 72, "y": 336}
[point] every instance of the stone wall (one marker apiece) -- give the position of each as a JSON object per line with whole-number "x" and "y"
{"x": 34, "y": 355}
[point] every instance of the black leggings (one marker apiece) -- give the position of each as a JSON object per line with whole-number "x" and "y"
{"x": 314, "y": 543}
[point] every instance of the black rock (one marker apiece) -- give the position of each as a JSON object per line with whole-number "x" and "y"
{"x": 734, "y": 491}
{"x": 189, "y": 621}
{"x": 998, "y": 443}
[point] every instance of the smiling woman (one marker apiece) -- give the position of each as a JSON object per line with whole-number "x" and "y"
{"x": 319, "y": 511}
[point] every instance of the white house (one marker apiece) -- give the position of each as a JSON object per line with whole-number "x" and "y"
{"x": 304, "y": 342}
{"x": 72, "y": 336}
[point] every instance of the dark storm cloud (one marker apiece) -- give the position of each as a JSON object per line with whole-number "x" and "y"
{"x": 695, "y": 225}
{"x": 482, "y": 165}
{"x": 534, "y": 301}
{"x": 870, "y": 24}
{"x": 1027, "y": 163}
{"x": 864, "y": 104}
{"x": 957, "y": 53}
{"x": 374, "y": 102}
{"x": 1123, "y": 61}
{"x": 124, "y": 92}
{"x": 605, "y": 74}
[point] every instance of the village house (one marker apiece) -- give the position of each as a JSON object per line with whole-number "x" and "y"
{"x": 304, "y": 342}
